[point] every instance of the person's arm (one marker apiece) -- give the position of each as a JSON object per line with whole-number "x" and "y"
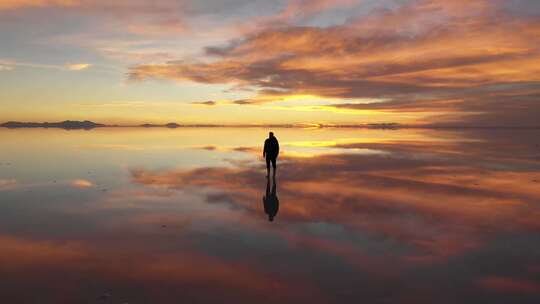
{"x": 277, "y": 146}
{"x": 264, "y": 149}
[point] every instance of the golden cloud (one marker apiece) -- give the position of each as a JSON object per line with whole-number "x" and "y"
{"x": 332, "y": 187}
{"x": 78, "y": 66}
{"x": 82, "y": 183}
{"x": 426, "y": 50}
{"x": 13, "y": 4}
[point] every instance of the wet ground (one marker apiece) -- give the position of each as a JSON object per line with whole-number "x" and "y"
{"x": 187, "y": 216}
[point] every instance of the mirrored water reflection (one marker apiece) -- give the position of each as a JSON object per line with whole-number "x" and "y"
{"x": 187, "y": 215}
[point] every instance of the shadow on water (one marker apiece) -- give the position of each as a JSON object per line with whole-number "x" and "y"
{"x": 270, "y": 199}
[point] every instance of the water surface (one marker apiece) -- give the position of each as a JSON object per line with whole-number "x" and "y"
{"x": 179, "y": 216}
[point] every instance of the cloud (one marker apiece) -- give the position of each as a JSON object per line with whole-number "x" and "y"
{"x": 193, "y": 269}
{"x": 423, "y": 56}
{"x": 8, "y": 184}
{"x": 253, "y": 101}
{"x": 138, "y": 18}
{"x": 205, "y": 103}
{"x": 303, "y": 9}
{"x": 78, "y": 66}
{"x": 165, "y": 27}
{"x": 14, "y": 4}
{"x": 331, "y": 187}
{"x": 11, "y": 64}
{"x": 82, "y": 183}
{"x": 121, "y": 7}
{"x": 5, "y": 68}
{"x": 248, "y": 101}
{"x": 122, "y": 104}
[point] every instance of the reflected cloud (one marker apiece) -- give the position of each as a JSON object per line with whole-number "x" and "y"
{"x": 392, "y": 195}
{"x": 432, "y": 206}
{"x": 8, "y": 184}
{"x": 228, "y": 278}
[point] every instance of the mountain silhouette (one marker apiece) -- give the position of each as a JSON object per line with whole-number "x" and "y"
{"x": 171, "y": 125}
{"x": 67, "y": 124}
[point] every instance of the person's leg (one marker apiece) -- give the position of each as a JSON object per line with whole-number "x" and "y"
{"x": 274, "y": 165}
{"x": 267, "y": 167}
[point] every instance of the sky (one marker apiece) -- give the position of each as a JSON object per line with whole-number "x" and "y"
{"x": 434, "y": 62}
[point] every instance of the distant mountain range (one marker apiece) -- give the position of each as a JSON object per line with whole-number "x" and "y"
{"x": 171, "y": 125}
{"x": 88, "y": 125}
{"x": 67, "y": 124}
{"x": 74, "y": 124}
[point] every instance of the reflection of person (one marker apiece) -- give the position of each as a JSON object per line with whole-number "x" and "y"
{"x": 270, "y": 200}
{"x": 271, "y": 152}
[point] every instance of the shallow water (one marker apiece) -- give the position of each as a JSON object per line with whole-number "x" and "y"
{"x": 178, "y": 216}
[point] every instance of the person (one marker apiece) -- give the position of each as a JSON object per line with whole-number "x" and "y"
{"x": 270, "y": 200}
{"x": 271, "y": 152}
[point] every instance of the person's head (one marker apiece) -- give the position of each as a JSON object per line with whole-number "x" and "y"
{"x": 271, "y": 134}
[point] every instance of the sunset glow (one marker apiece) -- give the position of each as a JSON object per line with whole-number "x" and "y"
{"x": 270, "y": 151}
{"x": 465, "y": 62}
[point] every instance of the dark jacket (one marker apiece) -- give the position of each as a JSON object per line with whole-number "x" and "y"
{"x": 271, "y": 147}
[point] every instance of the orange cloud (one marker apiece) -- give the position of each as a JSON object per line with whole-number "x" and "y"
{"x": 142, "y": 18}
{"x": 424, "y": 50}
{"x": 92, "y": 260}
{"x": 82, "y": 183}
{"x": 6, "y": 184}
{"x": 78, "y": 66}
{"x": 13, "y": 4}
{"x": 345, "y": 190}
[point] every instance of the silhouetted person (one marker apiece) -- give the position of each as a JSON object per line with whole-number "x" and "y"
{"x": 271, "y": 152}
{"x": 270, "y": 200}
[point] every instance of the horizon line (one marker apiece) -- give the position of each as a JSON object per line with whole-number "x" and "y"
{"x": 87, "y": 124}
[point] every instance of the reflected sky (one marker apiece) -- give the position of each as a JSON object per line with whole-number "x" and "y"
{"x": 169, "y": 216}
